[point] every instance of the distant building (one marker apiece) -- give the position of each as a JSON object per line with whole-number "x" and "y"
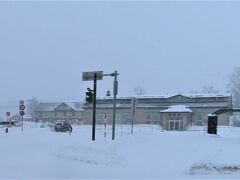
{"x": 50, "y": 112}
{"x": 192, "y": 109}
{"x": 172, "y": 112}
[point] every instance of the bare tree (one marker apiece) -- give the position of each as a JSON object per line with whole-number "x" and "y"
{"x": 209, "y": 90}
{"x": 139, "y": 91}
{"x": 206, "y": 90}
{"x": 32, "y": 105}
{"x": 234, "y": 86}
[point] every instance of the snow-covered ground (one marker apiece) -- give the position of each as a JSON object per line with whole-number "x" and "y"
{"x": 147, "y": 153}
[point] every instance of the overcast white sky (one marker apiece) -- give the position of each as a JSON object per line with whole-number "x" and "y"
{"x": 165, "y": 47}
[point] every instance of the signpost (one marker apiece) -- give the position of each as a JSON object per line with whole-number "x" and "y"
{"x": 21, "y": 111}
{"x": 98, "y": 75}
{"x": 89, "y": 76}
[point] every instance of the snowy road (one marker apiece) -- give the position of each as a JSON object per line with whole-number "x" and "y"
{"x": 148, "y": 153}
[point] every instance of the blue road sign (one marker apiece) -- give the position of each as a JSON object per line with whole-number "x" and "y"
{"x": 22, "y": 113}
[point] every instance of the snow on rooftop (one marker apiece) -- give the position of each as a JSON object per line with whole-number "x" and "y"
{"x": 170, "y": 95}
{"x": 77, "y": 106}
{"x": 177, "y": 108}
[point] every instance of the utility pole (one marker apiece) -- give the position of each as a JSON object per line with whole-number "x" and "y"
{"x": 133, "y": 112}
{"x": 115, "y": 89}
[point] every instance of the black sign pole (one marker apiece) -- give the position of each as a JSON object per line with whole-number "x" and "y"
{"x": 22, "y": 123}
{"x": 94, "y": 106}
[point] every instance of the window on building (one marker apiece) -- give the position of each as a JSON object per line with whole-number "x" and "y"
{"x": 156, "y": 116}
{"x": 148, "y": 116}
{"x": 199, "y": 123}
{"x": 99, "y": 118}
{"x": 199, "y": 117}
{"x": 64, "y": 113}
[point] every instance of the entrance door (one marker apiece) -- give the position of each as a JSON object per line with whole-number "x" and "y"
{"x": 172, "y": 126}
{"x": 175, "y": 125}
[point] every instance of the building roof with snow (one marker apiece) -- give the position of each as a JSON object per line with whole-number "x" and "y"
{"x": 164, "y": 101}
{"x": 45, "y": 107}
{"x": 166, "y": 96}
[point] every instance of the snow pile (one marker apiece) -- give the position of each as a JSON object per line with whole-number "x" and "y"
{"x": 206, "y": 169}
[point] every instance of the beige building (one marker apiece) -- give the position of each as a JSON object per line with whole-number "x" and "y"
{"x": 172, "y": 112}
{"x": 50, "y": 112}
{"x": 159, "y": 110}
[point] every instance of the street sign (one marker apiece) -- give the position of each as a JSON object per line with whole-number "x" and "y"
{"x": 8, "y": 113}
{"x": 22, "y": 113}
{"x": 21, "y": 102}
{"x": 89, "y": 76}
{"x": 21, "y": 107}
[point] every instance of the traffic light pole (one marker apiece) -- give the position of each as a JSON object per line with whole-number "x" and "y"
{"x": 115, "y": 89}
{"x": 94, "y": 106}
{"x": 98, "y": 75}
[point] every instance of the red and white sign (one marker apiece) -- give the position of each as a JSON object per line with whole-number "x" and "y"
{"x": 21, "y": 107}
{"x": 8, "y": 113}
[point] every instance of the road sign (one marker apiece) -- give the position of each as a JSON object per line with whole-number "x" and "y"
{"x": 22, "y": 113}
{"x": 21, "y": 107}
{"x": 8, "y": 113}
{"x": 89, "y": 76}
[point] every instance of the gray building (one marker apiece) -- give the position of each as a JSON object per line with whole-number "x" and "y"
{"x": 194, "y": 110}
{"x": 50, "y": 112}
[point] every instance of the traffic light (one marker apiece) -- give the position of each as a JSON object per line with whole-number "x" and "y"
{"x": 89, "y": 95}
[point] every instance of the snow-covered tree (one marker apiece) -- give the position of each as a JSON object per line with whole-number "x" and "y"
{"x": 234, "y": 86}
{"x": 139, "y": 91}
{"x": 32, "y": 105}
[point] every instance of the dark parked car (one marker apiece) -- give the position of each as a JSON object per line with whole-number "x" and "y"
{"x": 62, "y": 127}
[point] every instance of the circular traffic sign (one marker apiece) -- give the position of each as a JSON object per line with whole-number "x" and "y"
{"x": 8, "y": 113}
{"x": 22, "y": 113}
{"x": 21, "y": 107}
